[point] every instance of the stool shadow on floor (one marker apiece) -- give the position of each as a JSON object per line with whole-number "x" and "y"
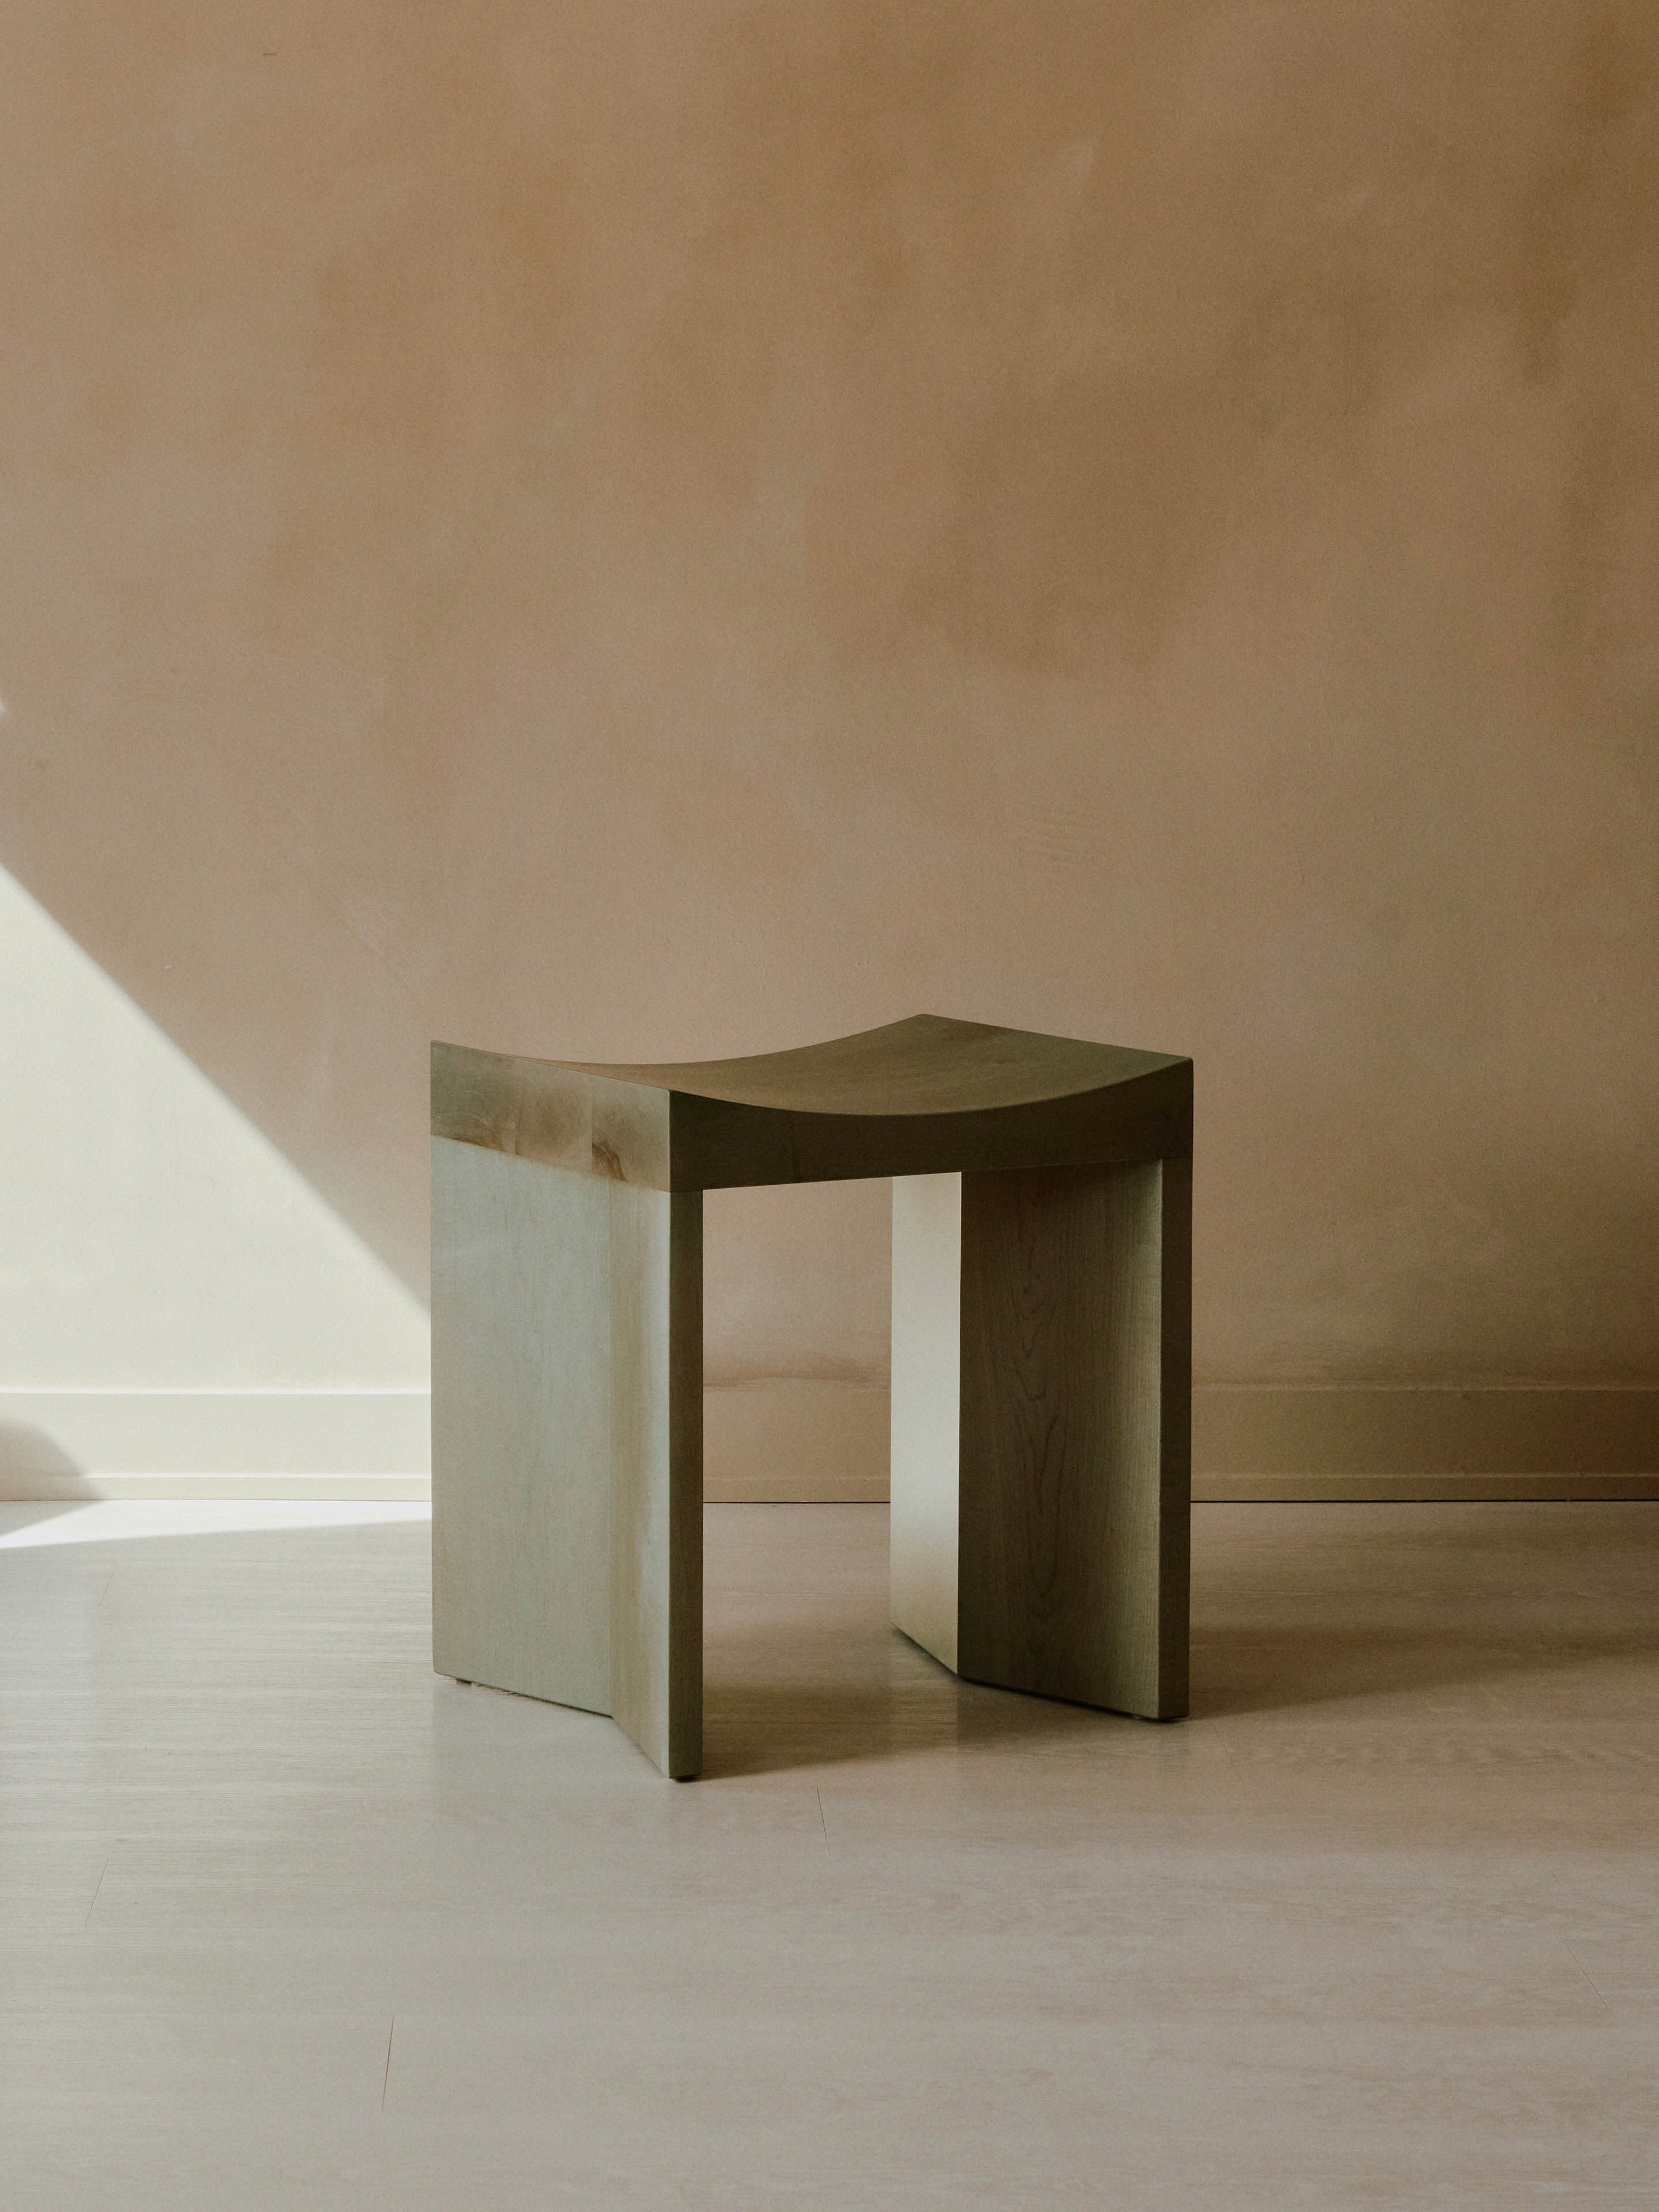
{"x": 756, "y": 1726}
{"x": 1270, "y": 1669}
{"x": 1439, "y": 1607}
{"x": 1407, "y": 1614}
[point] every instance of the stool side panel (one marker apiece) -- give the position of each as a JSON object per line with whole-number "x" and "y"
{"x": 924, "y": 1481}
{"x": 535, "y": 1109}
{"x": 1067, "y": 1552}
{"x": 522, "y": 1417}
{"x": 1175, "y": 1438}
{"x": 656, "y": 1546}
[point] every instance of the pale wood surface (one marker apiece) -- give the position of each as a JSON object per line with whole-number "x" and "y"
{"x": 1072, "y": 1551}
{"x": 522, "y": 1421}
{"x": 925, "y": 1469}
{"x": 1174, "y": 1507}
{"x": 655, "y": 1473}
{"x": 537, "y": 1110}
{"x": 290, "y": 1925}
{"x": 567, "y": 1441}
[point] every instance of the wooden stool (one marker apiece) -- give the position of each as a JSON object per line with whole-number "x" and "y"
{"x": 1041, "y": 1359}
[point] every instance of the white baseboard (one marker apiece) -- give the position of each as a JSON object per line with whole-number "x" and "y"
{"x": 356, "y": 1489}
{"x": 214, "y": 1443}
{"x": 785, "y": 1440}
{"x": 795, "y": 1440}
{"x": 1342, "y": 1440}
{"x": 1415, "y": 1489}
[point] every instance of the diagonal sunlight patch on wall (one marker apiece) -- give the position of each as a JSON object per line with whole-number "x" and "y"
{"x": 178, "y": 1308}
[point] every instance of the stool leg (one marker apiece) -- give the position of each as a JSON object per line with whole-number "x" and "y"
{"x": 924, "y": 1481}
{"x": 656, "y": 1528}
{"x": 1042, "y": 1412}
{"x": 1076, "y": 1415}
{"x": 567, "y": 1473}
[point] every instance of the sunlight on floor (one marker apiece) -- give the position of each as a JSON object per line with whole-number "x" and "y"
{"x": 108, "y": 1519}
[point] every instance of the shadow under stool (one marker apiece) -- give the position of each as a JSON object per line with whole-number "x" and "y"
{"x": 1041, "y": 1357}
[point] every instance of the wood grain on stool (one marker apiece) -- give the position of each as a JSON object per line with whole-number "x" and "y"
{"x": 1041, "y": 1355}
{"x": 1075, "y": 1485}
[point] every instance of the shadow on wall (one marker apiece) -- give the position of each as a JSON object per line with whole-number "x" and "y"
{"x": 32, "y": 1467}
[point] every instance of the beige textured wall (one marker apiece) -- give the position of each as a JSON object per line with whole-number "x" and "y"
{"x": 639, "y": 531}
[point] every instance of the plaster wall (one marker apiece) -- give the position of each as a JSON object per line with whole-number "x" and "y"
{"x": 638, "y": 532}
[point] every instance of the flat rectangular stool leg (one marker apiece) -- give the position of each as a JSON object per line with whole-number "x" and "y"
{"x": 1076, "y": 1479}
{"x": 925, "y": 1463}
{"x": 656, "y": 1524}
{"x": 567, "y": 1473}
{"x": 1065, "y": 1570}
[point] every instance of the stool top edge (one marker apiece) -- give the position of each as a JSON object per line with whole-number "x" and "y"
{"x": 926, "y": 1065}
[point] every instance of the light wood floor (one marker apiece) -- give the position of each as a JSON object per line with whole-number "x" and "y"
{"x": 287, "y": 1922}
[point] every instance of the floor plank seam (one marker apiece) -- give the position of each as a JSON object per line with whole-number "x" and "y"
{"x": 97, "y": 1888}
{"x": 1599, "y": 1994}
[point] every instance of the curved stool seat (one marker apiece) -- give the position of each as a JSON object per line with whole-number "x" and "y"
{"x": 1042, "y": 1370}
